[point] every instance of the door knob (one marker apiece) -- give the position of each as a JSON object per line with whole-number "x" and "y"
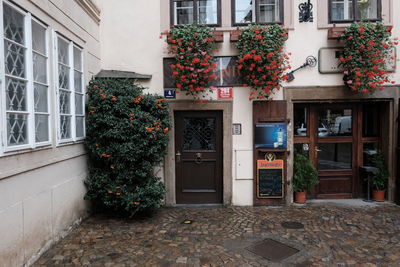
{"x": 198, "y": 159}
{"x": 178, "y": 156}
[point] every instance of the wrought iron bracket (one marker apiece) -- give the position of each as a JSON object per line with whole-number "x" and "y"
{"x": 310, "y": 61}
{"x": 306, "y": 14}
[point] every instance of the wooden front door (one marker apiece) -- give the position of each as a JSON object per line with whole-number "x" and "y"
{"x": 198, "y": 157}
{"x": 333, "y": 145}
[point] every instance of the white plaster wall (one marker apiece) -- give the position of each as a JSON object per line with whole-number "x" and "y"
{"x": 41, "y": 190}
{"x": 38, "y": 207}
{"x": 130, "y": 40}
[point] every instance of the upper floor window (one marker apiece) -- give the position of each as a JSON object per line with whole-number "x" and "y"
{"x": 354, "y": 10}
{"x": 25, "y": 114}
{"x": 204, "y": 12}
{"x": 257, "y": 11}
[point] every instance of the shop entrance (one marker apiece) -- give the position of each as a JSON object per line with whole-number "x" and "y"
{"x": 198, "y": 157}
{"x": 338, "y": 139}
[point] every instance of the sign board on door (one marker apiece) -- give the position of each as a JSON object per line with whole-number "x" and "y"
{"x": 270, "y": 179}
{"x": 225, "y": 93}
{"x": 328, "y": 60}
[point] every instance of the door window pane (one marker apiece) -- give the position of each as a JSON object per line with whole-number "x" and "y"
{"x": 300, "y": 120}
{"x": 334, "y": 156}
{"x": 207, "y": 12}
{"x": 371, "y": 123}
{"x": 244, "y": 11}
{"x": 302, "y": 148}
{"x": 369, "y": 150}
{"x": 199, "y": 134}
{"x": 269, "y": 11}
{"x": 342, "y": 9}
{"x": 183, "y": 12}
{"x": 335, "y": 122}
{"x": 367, "y": 9}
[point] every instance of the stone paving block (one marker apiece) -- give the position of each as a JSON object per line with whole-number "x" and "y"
{"x": 333, "y": 235}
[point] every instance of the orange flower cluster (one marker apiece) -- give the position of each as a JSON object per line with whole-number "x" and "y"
{"x": 137, "y": 100}
{"x": 92, "y": 110}
{"x": 105, "y": 155}
{"x": 113, "y": 99}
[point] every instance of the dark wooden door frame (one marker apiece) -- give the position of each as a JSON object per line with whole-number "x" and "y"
{"x": 197, "y": 161}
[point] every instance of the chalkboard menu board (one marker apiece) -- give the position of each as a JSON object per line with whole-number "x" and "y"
{"x": 270, "y": 179}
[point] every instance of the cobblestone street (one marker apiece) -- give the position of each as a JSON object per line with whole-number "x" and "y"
{"x": 333, "y": 235}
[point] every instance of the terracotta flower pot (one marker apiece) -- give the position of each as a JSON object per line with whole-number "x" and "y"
{"x": 378, "y": 195}
{"x": 300, "y": 197}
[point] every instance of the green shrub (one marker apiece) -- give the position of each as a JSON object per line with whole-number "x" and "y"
{"x": 305, "y": 176}
{"x": 127, "y": 136}
{"x": 380, "y": 179}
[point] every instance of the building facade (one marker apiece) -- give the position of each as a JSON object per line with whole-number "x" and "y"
{"x": 336, "y": 128}
{"x": 49, "y": 52}
{"x": 51, "y": 49}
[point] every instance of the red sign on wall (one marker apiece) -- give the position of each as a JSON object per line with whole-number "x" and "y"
{"x": 225, "y": 93}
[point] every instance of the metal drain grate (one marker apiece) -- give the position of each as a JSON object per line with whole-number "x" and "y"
{"x": 272, "y": 250}
{"x": 292, "y": 225}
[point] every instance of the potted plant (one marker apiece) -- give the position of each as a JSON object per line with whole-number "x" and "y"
{"x": 304, "y": 178}
{"x": 379, "y": 180}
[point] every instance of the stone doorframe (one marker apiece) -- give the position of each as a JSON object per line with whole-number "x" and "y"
{"x": 329, "y": 94}
{"x": 169, "y": 164}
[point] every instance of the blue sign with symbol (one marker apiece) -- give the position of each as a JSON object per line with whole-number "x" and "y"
{"x": 169, "y": 93}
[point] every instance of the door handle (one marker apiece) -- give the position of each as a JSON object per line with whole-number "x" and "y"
{"x": 198, "y": 159}
{"x": 317, "y": 150}
{"x": 178, "y": 156}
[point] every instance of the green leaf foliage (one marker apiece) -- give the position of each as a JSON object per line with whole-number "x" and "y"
{"x": 305, "y": 175}
{"x": 379, "y": 180}
{"x": 127, "y": 136}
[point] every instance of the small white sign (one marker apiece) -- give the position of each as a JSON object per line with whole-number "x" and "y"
{"x": 328, "y": 60}
{"x": 237, "y": 129}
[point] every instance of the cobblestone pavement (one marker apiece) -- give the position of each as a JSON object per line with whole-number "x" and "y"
{"x": 333, "y": 235}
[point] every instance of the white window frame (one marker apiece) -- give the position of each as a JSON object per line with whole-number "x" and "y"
{"x": 31, "y": 144}
{"x": 72, "y": 90}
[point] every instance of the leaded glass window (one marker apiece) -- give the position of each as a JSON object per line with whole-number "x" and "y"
{"x": 26, "y": 81}
{"x": 71, "y": 94}
{"x": 40, "y": 82}
{"x": 17, "y": 112}
{"x": 199, "y": 134}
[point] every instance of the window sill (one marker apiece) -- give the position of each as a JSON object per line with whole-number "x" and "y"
{"x": 335, "y": 33}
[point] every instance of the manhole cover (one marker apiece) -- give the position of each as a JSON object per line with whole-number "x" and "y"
{"x": 292, "y": 225}
{"x": 272, "y": 250}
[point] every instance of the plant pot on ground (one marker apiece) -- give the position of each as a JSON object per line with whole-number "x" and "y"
{"x": 379, "y": 180}
{"x": 304, "y": 178}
